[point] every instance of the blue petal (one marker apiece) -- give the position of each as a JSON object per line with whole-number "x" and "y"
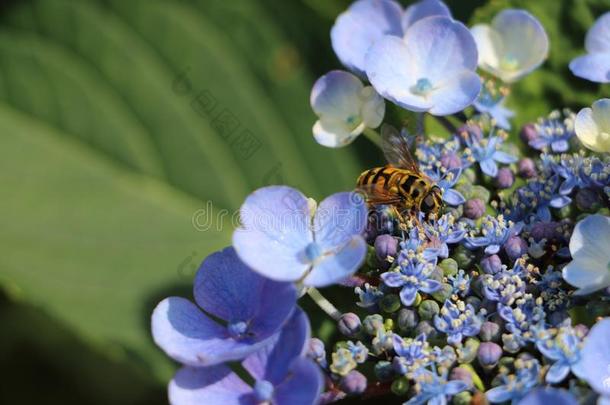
{"x": 430, "y": 286}
{"x": 393, "y": 279}
{"x": 547, "y": 395}
{"x": 456, "y": 94}
{"x": 504, "y": 157}
{"x": 455, "y": 387}
{"x": 407, "y": 295}
{"x": 190, "y": 337}
{"x": 360, "y": 26}
{"x": 498, "y": 394}
{"x": 226, "y": 288}
{"x": 453, "y": 197}
{"x": 210, "y": 385}
{"x": 596, "y": 352}
{"x": 489, "y": 167}
{"x": 423, "y": 9}
{"x": 336, "y": 95}
{"x": 557, "y": 372}
{"x": 338, "y": 265}
{"x": 338, "y": 218}
{"x": 560, "y": 202}
{"x": 492, "y": 249}
{"x": 598, "y": 36}
{"x": 272, "y": 362}
{"x": 594, "y": 67}
{"x": 544, "y": 214}
{"x": 276, "y": 229}
{"x": 438, "y": 400}
{"x": 560, "y": 146}
{"x": 302, "y": 386}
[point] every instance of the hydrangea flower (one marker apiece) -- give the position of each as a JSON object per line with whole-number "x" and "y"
{"x": 412, "y": 275}
{"x": 517, "y": 386}
{"x": 360, "y": 26}
{"x": 491, "y": 102}
{"x": 564, "y": 350}
{"x": 554, "y": 132}
{"x": 434, "y": 389}
{"x": 595, "y": 65}
{"x": 345, "y": 108}
{"x": 252, "y": 309}
{"x": 512, "y": 46}
{"x": 410, "y": 353}
{"x": 446, "y": 180}
{"x": 547, "y": 395}
{"x": 505, "y": 286}
{"x": 457, "y": 321}
{"x": 596, "y": 358}
{"x": 443, "y": 231}
{"x": 589, "y": 271}
{"x": 282, "y": 239}
{"x": 592, "y": 125}
{"x": 283, "y": 375}
{"x": 494, "y": 233}
{"x": 432, "y": 68}
{"x": 486, "y": 152}
{"x": 523, "y": 318}
{"x": 422, "y": 9}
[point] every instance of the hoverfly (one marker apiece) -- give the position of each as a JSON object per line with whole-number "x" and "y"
{"x": 400, "y": 184}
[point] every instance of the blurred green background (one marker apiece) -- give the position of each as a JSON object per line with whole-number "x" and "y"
{"x": 131, "y": 130}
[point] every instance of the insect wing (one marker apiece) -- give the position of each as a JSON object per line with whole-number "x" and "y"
{"x": 375, "y": 194}
{"x": 396, "y": 149}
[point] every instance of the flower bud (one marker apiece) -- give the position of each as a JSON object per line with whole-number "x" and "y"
{"x": 462, "y": 398}
{"x": 461, "y": 374}
{"x": 426, "y": 328}
{"x": 490, "y": 332}
{"x": 587, "y": 200}
{"x": 400, "y": 386}
{"x": 444, "y": 293}
{"x": 528, "y": 133}
{"x": 468, "y": 352}
{"x": 385, "y": 245}
{"x": 427, "y": 309}
{"x": 316, "y": 352}
{"x": 449, "y": 267}
{"x": 564, "y": 212}
{"x": 354, "y": 383}
{"x": 349, "y": 324}
{"x": 450, "y": 161}
{"x": 407, "y": 320}
{"x": 343, "y": 362}
{"x": 581, "y": 329}
{"x": 463, "y": 256}
{"x": 384, "y": 371}
{"x": 474, "y": 208}
{"x": 491, "y": 264}
{"x": 371, "y": 323}
{"x": 481, "y": 193}
{"x": 505, "y": 178}
{"x": 390, "y": 303}
{"x": 515, "y": 247}
{"x": 475, "y": 302}
{"x": 526, "y": 168}
{"x": 489, "y": 354}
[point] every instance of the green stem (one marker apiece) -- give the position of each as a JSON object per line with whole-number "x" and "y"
{"x": 324, "y": 304}
{"x": 447, "y": 124}
{"x": 373, "y": 136}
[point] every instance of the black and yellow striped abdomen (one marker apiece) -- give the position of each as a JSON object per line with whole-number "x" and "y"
{"x": 410, "y": 187}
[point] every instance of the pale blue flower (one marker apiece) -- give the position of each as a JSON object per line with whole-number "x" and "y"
{"x": 412, "y": 275}
{"x": 434, "y": 388}
{"x": 589, "y": 270}
{"x": 494, "y": 233}
{"x": 446, "y": 180}
{"x": 564, "y": 350}
{"x": 486, "y": 152}
{"x": 444, "y": 231}
{"x": 345, "y": 108}
{"x": 595, "y": 65}
{"x": 512, "y": 46}
{"x": 515, "y": 388}
{"x": 554, "y": 132}
{"x": 592, "y": 125}
{"x": 360, "y": 26}
{"x": 548, "y": 395}
{"x": 457, "y": 321}
{"x": 596, "y": 358}
{"x": 285, "y": 238}
{"x": 495, "y": 108}
{"x": 432, "y": 68}
{"x": 422, "y": 9}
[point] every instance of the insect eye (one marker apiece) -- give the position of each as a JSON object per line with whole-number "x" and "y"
{"x": 428, "y": 203}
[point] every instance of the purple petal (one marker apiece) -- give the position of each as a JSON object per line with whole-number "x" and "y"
{"x": 190, "y": 337}
{"x": 338, "y": 265}
{"x": 489, "y": 167}
{"x": 393, "y": 279}
{"x": 302, "y": 386}
{"x": 548, "y": 395}
{"x": 272, "y": 362}
{"x": 504, "y": 157}
{"x": 423, "y": 9}
{"x": 338, "y": 218}
{"x": 598, "y": 36}
{"x": 594, "y": 67}
{"x": 226, "y": 288}
{"x": 360, "y": 26}
{"x": 210, "y": 385}
{"x": 407, "y": 295}
{"x": 276, "y": 230}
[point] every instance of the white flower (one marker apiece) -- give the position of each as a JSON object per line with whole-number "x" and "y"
{"x": 589, "y": 270}
{"x": 592, "y": 126}
{"x": 512, "y": 46}
{"x": 345, "y": 108}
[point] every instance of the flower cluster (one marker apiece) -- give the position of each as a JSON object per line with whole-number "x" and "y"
{"x": 499, "y": 294}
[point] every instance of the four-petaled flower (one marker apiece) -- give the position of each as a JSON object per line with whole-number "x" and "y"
{"x": 516, "y": 386}
{"x": 434, "y": 389}
{"x": 285, "y": 238}
{"x": 486, "y": 153}
{"x": 564, "y": 349}
{"x": 494, "y": 233}
{"x": 595, "y": 65}
{"x": 411, "y": 275}
{"x": 592, "y": 126}
{"x": 457, "y": 321}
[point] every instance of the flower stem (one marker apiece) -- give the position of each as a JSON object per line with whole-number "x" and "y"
{"x": 373, "y": 136}
{"x": 447, "y": 124}
{"x": 324, "y": 304}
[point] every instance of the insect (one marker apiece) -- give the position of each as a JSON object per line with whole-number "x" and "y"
{"x": 399, "y": 184}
